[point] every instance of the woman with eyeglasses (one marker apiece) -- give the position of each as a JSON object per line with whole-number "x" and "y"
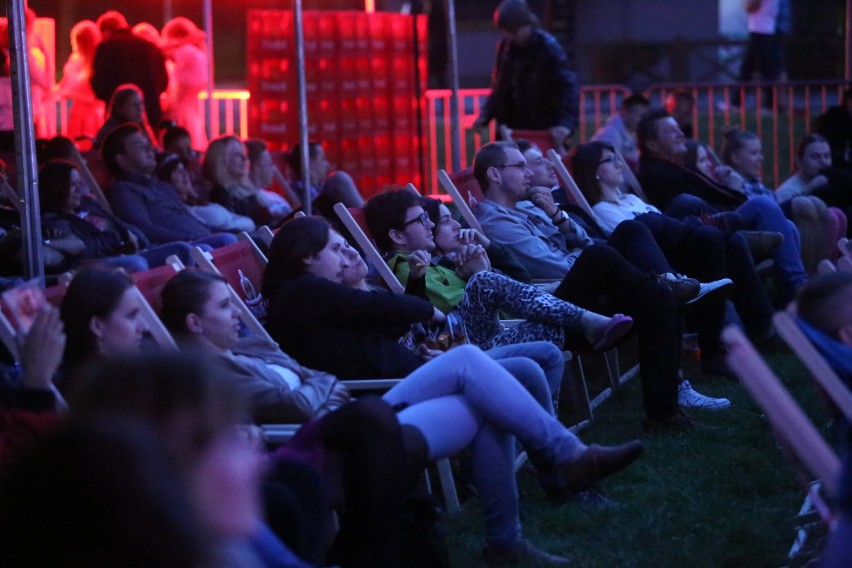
{"x": 701, "y": 250}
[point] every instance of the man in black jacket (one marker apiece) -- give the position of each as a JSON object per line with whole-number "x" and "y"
{"x": 680, "y": 192}
{"x": 532, "y": 85}
{"x": 123, "y": 58}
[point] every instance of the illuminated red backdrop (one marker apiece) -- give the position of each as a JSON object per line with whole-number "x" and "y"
{"x": 361, "y": 87}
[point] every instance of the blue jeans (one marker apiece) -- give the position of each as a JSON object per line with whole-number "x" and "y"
{"x": 547, "y": 357}
{"x": 156, "y": 255}
{"x": 758, "y": 214}
{"x": 464, "y": 398}
{"x": 216, "y": 240}
{"x": 128, "y": 262}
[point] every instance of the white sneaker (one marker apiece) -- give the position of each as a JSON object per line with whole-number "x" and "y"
{"x": 708, "y": 287}
{"x": 687, "y": 397}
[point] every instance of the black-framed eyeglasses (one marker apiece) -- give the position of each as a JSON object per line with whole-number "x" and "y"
{"x": 423, "y": 218}
{"x": 520, "y": 166}
{"x": 608, "y": 160}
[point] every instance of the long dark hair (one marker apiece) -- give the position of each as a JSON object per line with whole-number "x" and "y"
{"x": 54, "y": 185}
{"x": 93, "y": 292}
{"x": 295, "y": 241}
{"x": 585, "y": 160}
{"x": 186, "y": 293}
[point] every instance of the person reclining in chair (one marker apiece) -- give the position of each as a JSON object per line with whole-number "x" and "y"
{"x": 679, "y": 192}
{"x": 139, "y": 198}
{"x": 404, "y": 231}
{"x": 593, "y": 276}
{"x": 824, "y": 308}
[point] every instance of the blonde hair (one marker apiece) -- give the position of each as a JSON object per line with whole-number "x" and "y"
{"x": 215, "y": 167}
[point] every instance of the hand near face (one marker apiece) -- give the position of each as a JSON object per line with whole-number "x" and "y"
{"x": 418, "y": 262}
{"x": 543, "y": 199}
{"x": 817, "y": 182}
{"x": 471, "y": 259}
{"x": 473, "y": 237}
{"x": 729, "y": 177}
{"x": 42, "y": 349}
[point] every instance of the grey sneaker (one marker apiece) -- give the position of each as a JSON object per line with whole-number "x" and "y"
{"x": 710, "y": 287}
{"x": 688, "y": 397}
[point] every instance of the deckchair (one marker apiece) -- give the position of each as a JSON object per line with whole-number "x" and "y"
{"x": 577, "y": 390}
{"x": 630, "y": 178}
{"x": 353, "y": 219}
{"x": 813, "y": 461}
{"x": 242, "y": 264}
{"x": 466, "y": 193}
{"x": 465, "y": 190}
{"x": 570, "y": 185}
{"x": 540, "y": 138}
{"x": 793, "y": 429}
{"x": 89, "y": 179}
{"x": 821, "y": 371}
{"x": 149, "y": 285}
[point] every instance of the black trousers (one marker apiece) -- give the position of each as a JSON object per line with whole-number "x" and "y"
{"x": 603, "y": 281}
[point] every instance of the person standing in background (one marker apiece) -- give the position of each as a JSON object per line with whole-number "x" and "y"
{"x": 123, "y": 57}
{"x": 533, "y": 86}
{"x": 763, "y": 52}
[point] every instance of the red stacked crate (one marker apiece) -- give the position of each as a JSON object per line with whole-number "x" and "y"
{"x": 360, "y": 84}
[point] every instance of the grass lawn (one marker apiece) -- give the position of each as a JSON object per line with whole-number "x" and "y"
{"x": 721, "y": 495}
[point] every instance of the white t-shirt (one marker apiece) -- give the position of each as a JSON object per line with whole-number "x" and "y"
{"x": 792, "y": 187}
{"x": 628, "y": 207}
{"x": 762, "y": 20}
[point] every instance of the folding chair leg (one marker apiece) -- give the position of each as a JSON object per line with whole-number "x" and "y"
{"x": 448, "y": 486}
{"x": 575, "y": 389}
{"x": 613, "y": 372}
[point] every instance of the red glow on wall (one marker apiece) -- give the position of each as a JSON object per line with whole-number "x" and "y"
{"x": 361, "y": 86}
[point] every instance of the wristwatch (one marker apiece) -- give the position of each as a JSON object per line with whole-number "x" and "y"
{"x": 560, "y": 217}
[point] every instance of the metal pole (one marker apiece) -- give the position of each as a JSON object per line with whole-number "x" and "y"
{"x": 303, "y": 106}
{"x": 208, "y": 110}
{"x": 455, "y": 117}
{"x": 847, "y": 59}
{"x": 25, "y": 156}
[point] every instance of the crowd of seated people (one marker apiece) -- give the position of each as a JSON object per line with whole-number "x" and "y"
{"x": 186, "y": 415}
{"x": 375, "y": 446}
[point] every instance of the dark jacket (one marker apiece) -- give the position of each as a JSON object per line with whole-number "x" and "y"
{"x": 109, "y": 238}
{"x": 247, "y": 206}
{"x": 663, "y": 180}
{"x": 349, "y": 333}
{"x": 155, "y": 208}
{"x": 533, "y": 86}
{"x": 836, "y": 126}
{"x": 126, "y": 58}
